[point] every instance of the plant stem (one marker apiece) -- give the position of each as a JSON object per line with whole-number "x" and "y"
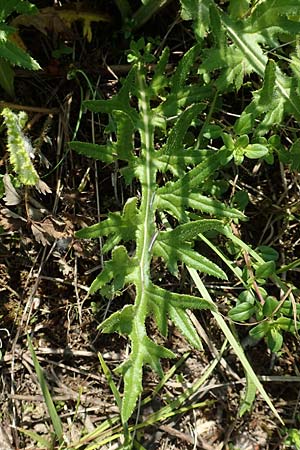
{"x": 146, "y": 209}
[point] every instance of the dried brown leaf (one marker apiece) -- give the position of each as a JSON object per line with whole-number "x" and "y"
{"x": 42, "y": 187}
{"x": 59, "y": 20}
{"x": 11, "y": 197}
{"x": 48, "y": 230}
{"x": 50, "y": 227}
{"x": 39, "y": 234}
{"x": 11, "y": 221}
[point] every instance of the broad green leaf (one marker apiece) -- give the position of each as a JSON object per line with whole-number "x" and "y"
{"x": 265, "y": 270}
{"x": 25, "y": 7}
{"x": 242, "y": 141}
{"x": 287, "y": 324}
{"x": 271, "y": 303}
{"x": 244, "y": 124}
{"x": 292, "y": 438}
{"x": 242, "y": 312}
{"x": 256, "y": 151}
{"x": 294, "y": 155}
{"x": 274, "y": 339}
{"x": 212, "y": 131}
{"x": 247, "y": 296}
{"x": 267, "y": 253}
{"x": 289, "y": 309}
{"x": 238, "y": 8}
{"x": 260, "y": 330}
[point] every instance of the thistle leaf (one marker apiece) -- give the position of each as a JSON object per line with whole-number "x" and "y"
{"x": 165, "y": 304}
{"x": 119, "y": 322}
{"x": 183, "y": 98}
{"x": 99, "y": 152}
{"x": 21, "y": 6}
{"x": 248, "y": 44}
{"x": 190, "y": 230}
{"x": 172, "y": 252}
{"x": 7, "y": 76}
{"x": 179, "y": 159}
{"x": 267, "y": 104}
{"x": 16, "y": 56}
{"x": 120, "y": 269}
{"x": 159, "y": 80}
{"x": 120, "y": 102}
{"x": 194, "y": 168}
{"x": 123, "y": 147}
{"x": 270, "y": 12}
{"x": 144, "y": 351}
{"x": 177, "y": 134}
{"x": 196, "y": 176}
{"x": 118, "y": 227}
{"x": 182, "y": 321}
{"x": 198, "y": 11}
{"x": 183, "y": 69}
{"x": 176, "y": 204}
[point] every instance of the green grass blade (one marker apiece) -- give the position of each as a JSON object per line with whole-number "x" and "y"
{"x": 234, "y": 344}
{"x": 116, "y": 395}
{"x": 249, "y": 397}
{"x": 42, "y": 441}
{"x": 57, "y": 425}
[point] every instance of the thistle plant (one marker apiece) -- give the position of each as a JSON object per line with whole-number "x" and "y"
{"x": 19, "y": 147}
{"x": 172, "y": 209}
{"x": 179, "y": 198}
